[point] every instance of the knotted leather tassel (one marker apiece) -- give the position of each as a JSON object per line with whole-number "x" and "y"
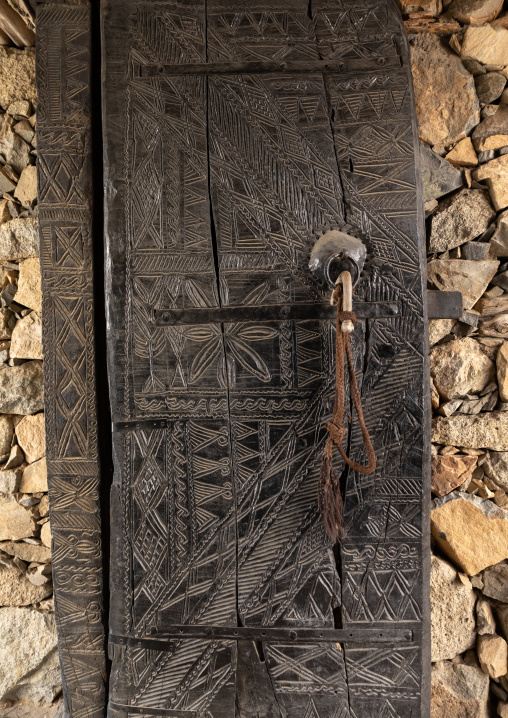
{"x": 330, "y": 496}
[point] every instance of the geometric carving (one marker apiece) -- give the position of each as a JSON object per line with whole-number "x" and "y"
{"x": 65, "y": 217}
{"x": 217, "y": 186}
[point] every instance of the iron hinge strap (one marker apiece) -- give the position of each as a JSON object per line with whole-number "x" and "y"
{"x": 122, "y": 709}
{"x": 367, "y": 64}
{"x": 441, "y": 305}
{"x": 166, "y": 641}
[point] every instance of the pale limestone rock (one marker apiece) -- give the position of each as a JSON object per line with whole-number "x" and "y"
{"x": 31, "y": 437}
{"x": 39, "y": 575}
{"x": 26, "y": 339}
{"x": 458, "y": 691}
{"x": 431, "y": 7}
{"x": 496, "y": 467}
{"x": 475, "y": 12}
{"x": 21, "y": 108}
{"x": 26, "y": 710}
{"x": 460, "y": 367}
{"x": 26, "y": 191}
{"x": 450, "y": 472}
{"x": 495, "y": 582}
{"x": 472, "y": 531}
{"x": 438, "y": 73}
{"x": 439, "y": 328}
{"x": 35, "y": 478}
{"x": 26, "y": 551}
{"x": 8, "y": 180}
{"x": 7, "y": 322}
{"x": 43, "y": 685}
{"x": 29, "y": 292}
{"x": 502, "y": 710}
{"x": 46, "y": 534}
{"x": 21, "y": 388}
{"x": 17, "y": 76}
{"x": 493, "y": 655}
{"x": 27, "y": 643}
{"x": 19, "y": 239}
{"x": 502, "y": 371}
{"x": 488, "y": 306}
{"x": 462, "y": 275}
{"x": 481, "y": 431}
{"x": 16, "y": 457}
{"x": 495, "y": 173}
{"x": 434, "y": 396}
{"x": 44, "y": 504}
{"x": 9, "y": 481}
{"x": 463, "y": 154}
{"x": 485, "y": 621}
{"x": 502, "y": 617}
{"x": 494, "y": 326}
{"x": 6, "y": 433}
{"x": 499, "y": 240}
{"x": 486, "y": 44}
{"x": 25, "y": 130}
{"x": 452, "y": 612}
{"x": 459, "y": 219}
{"x": 17, "y": 590}
{"x": 16, "y": 522}
{"x": 5, "y": 215}
{"x": 13, "y": 149}
{"x": 439, "y": 176}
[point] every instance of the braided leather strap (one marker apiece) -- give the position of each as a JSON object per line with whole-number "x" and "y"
{"x": 330, "y": 496}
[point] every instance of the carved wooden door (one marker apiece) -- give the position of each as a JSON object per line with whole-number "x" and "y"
{"x": 235, "y": 135}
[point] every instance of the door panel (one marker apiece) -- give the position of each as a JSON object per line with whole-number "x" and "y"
{"x": 218, "y": 183}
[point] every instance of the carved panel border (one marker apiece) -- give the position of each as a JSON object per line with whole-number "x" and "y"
{"x": 65, "y": 233}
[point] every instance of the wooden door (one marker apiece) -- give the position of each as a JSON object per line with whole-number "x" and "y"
{"x": 235, "y": 136}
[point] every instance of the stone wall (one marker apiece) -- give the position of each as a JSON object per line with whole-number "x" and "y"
{"x": 29, "y": 667}
{"x": 460, "y": 72}
{"x": 460, "y": 67}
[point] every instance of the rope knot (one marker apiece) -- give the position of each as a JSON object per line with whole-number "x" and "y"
{"x": 343, "y": 316}
{"x": 337, "y": 433}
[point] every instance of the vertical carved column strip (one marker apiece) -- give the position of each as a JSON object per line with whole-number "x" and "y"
{"x": 65, "y": 215}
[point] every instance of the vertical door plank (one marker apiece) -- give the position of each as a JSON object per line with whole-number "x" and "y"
{"x": 174, "y": 551}
{"x": 64, "y": 137}
{"x": 385, "y": 554}
{"x": 275, "y": 188}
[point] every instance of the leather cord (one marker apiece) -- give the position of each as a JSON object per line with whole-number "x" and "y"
{"x": 330, "y": 496}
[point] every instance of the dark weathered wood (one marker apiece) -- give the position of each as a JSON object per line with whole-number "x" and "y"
{"x": 385, "y": 555}
{"x": 263, "y": 66}
{"x": 440, "y": 305}
{"x": 65, "y": 230}
{"x": 264, "y": 633}
{"x": 444, "y": 305}
{"x": 269, "y": 313}
{"x": 217, "y": 186}
{"x": 174, "y": 533}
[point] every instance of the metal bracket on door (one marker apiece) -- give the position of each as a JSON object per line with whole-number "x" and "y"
{"x": 164, "y": 641}
{"x": 441, "y": 305}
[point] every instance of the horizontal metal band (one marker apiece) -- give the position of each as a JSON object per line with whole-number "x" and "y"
{"x": 444, "y": 305}
{"x": 146, "y": 711}
{"x": 441, "y": 305}
{"x": 272, "y": 313}
{"x": 364, "y": 64}
{"x": 164, "y": 642}
{"x": 140, "y": 424}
